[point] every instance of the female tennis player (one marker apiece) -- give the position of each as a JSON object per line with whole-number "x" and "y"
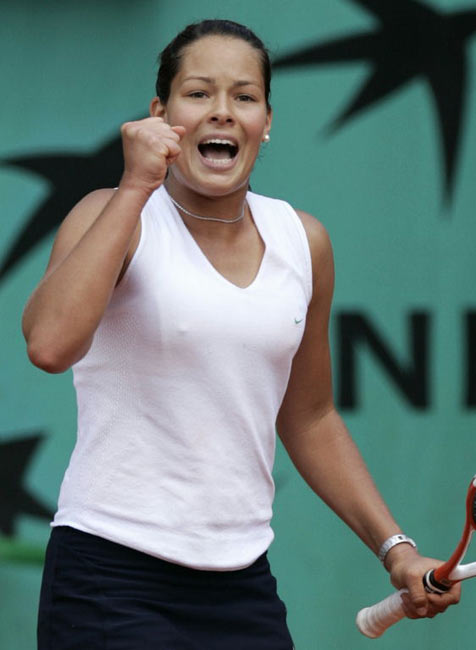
{"x": 194, "y": 314}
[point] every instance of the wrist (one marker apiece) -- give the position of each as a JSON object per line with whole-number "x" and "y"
{"x": 131, "y": 186}
{"x": 399, "y": 553}
{"x": 395, "y": 546}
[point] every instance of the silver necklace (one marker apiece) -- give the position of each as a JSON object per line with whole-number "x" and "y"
{"x": 197, "y": 216}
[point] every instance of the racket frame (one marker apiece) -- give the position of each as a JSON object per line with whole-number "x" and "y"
{"x": 452, "y": 571}
{"x": 373, "y": 621}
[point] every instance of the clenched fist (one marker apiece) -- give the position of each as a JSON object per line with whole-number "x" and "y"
{"x": 150, "y": 146}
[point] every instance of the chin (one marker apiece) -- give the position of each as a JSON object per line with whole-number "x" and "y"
{"x": 217, "y": 190}
{"x": 218, "y": 186}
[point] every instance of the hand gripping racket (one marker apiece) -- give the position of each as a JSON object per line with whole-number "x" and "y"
{"x": 373, "y": 621}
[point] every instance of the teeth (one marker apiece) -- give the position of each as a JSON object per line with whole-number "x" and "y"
{"x": 217, "y": 141}
{"x": 219, "y": 161}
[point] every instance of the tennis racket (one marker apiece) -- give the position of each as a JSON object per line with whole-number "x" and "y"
{"x": 373, "y": 621}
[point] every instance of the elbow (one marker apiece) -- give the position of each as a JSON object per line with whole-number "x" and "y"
{"x": 45, "y": 358}
{"x": 54, "y": 351}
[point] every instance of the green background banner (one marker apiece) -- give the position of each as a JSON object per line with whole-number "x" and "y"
{"x": 375, "y": 134}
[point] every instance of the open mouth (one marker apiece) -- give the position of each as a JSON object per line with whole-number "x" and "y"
{"x": 218, "y": 150}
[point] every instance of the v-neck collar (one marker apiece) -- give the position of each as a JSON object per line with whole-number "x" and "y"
{"x": 188, "y": 235}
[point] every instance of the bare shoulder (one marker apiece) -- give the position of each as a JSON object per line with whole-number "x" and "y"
{"x": 90, "y": 206}
{"x": 86, "y": 211}
{"x": 318, "y": 237}
{"x": 100, "y": 195}
{"x": 77, "y": 222}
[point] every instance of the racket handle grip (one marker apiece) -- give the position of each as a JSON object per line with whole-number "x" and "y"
{"x": 373, "y": 621}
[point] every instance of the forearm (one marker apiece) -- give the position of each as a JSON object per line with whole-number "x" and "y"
{"x": 330, "y": 462}
{"x": 64, "y": 311}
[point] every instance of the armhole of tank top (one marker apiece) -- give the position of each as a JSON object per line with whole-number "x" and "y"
{"x": 306, "y": 248}
{"x": 138, "y": 250}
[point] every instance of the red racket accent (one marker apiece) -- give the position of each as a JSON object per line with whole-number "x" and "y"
{"x": 451, "y": 571}
{"x": 373, "y": 621}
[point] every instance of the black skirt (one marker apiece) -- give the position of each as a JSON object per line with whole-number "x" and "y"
{"x": 98, "y": 595}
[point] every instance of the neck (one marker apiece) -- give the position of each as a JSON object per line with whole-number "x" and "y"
{"x": 226, "y": 208}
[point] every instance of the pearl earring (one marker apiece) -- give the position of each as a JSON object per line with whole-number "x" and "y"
{"x": 266, "y": 138}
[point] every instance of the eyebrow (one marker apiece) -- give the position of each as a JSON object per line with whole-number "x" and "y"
{"x": 210, "y": 80}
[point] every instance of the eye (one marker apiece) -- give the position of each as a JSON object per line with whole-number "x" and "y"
{"x": 198, "y": 94}
{"x": 245, "y": 98}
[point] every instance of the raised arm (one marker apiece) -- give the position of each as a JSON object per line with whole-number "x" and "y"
{"x": 93, "y": 248}
{"x": 323, "y": 451}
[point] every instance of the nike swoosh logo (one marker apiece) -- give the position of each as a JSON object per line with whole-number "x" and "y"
{"x": 298, "y": 320}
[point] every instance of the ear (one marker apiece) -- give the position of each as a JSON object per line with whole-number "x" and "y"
{"x": 269, "y": 119}
{"x": 157, "y": 109}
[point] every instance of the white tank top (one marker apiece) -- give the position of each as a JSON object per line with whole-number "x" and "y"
{"x": 179, "y": 394}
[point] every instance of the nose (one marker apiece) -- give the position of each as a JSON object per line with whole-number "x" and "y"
{"x": 221, "y": 112}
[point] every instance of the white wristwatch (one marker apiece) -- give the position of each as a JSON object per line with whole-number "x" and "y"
{"x": 391, "y": 542}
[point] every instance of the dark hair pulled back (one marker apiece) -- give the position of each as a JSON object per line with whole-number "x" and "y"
{"x": 171, "y": 56}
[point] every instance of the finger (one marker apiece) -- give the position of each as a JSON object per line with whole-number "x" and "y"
{"x": 408, "y": 607}
{"x": 436, "y": 603}
{"x": 173, "y": 149}
{"x": 162, "y": 131}
{"x": 150, "y": 125}
{"x": 171, "y": 132}
{"x": 179, "y": 130}
{"x": 439, "y": 603}
{"x": 162, "y": 143}
{"x": 176, "y": 132}
{"x": 127, "y": 128}
{"x": 418, "y": 598}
